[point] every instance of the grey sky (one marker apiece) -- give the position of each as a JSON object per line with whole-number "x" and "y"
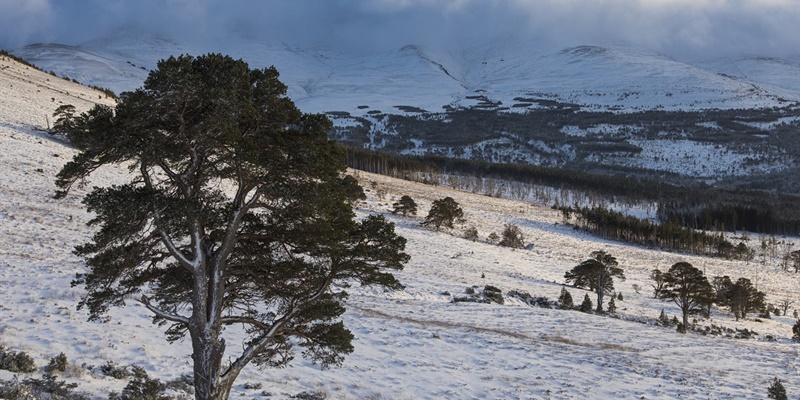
{"x": 680, "y": 28}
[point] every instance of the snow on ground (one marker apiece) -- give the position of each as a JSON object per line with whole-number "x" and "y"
{"x": 696, "y": 159}
{"x": 410, "y": 344}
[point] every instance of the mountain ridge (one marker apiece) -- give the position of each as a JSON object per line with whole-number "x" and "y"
{"x": 322, "y": 79}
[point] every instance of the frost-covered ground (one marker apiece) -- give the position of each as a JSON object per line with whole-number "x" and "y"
{"x": 411, "y": 344}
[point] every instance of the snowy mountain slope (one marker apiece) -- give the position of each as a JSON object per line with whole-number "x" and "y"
{"x": 321, "y": 79}
{"x": 780, "y": 75}
{"x": 411, "y": 344}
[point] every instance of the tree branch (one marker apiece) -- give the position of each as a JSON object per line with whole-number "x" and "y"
{"x": 163, "y": 314}
{"x": 252, "y": 350}
{"x": 189, "y": 265}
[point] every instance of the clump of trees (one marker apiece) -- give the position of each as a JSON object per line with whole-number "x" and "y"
{"x": 261, "y": 254}
{"x": 444, "y": 212}
{"x": 668, "y": 235}
{"x": 741, "y": 296}
{"x": 596, "y": 274}
{"x": 691, "y": 291}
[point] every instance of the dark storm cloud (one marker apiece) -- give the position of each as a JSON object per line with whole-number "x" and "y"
{"x": 687, "y": 28}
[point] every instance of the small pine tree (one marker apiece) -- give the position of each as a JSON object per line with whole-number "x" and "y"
{"x": 796, "y": 331}
{"x": 612, "y": 306}
{"x": 794, "y": 314}
{"x": 565, "y": 299}
{"x": 663, "y": 318}
{"x": 587, "y": 305}
{"x": 512, "y": 237}
{"x": 406, "y": 206}
{"x": 619, "y": 297}
{"x": 776, "y": 390}
{"x": 444, "y": 212}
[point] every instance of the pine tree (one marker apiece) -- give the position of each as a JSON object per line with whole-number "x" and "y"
{"x": 619, "y": 296}
{"x": 512, "y": 237}
{"x": 612, "y": 306}
{"x": 353, "y": 191}
{"x": 688, "y": 288}
{"x": 776, "y": 390}
{"x": 596, "y": 274}
{"x": 796, "y": 331}
{"x": 586, "y": 306}
{"x": 444, "y": 212}
{"x": 406, "y": 206}
{"x": 236, "y": 213}
{"x": 743, "y": 298}
{"x": 663, "y": 318}
{"x": 565, "y": 298}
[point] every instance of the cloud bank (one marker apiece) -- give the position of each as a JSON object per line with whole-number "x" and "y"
{"x": 680, "y": 28}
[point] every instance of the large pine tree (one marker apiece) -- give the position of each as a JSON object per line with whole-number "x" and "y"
{"x": 235, "y": 214}
{"x": 688, "y": 287}
{"x": 596, "y": 273}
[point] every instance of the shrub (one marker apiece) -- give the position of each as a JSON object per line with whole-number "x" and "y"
{"x": 493, "y": 294}
{"x": 111, "y": 369}
{"x": 471, "y": 233}
{"x": 16, "y": 361}
{"x": 141, "y": 387}
{"x": 317, "y": 395}
{"x": 796, "y": 331}
{"x": 525, "y": 297}
{"x": 57, "y": 364}
{"x": 35, "y": 389}
{"x": 183, "y": 383}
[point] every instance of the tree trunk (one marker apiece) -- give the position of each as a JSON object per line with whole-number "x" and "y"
{"x": 208, "y": 351}
{"x": 685, "y": 318}
{"x": 599, "y": 300}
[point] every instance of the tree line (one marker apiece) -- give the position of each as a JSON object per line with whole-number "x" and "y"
{"x": 696, "y": 206}
{"x": 671, "y": 236}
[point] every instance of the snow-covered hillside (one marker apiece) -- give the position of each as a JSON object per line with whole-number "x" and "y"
{"x": 320, "y": 79}
{"x": 410, "y": 344}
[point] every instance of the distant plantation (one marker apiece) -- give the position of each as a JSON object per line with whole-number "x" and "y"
{"x": 690, "y": 206}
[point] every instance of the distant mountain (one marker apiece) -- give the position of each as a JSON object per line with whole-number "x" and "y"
{"x": 320, "y": 79}
{"x": 616, "y": 109}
